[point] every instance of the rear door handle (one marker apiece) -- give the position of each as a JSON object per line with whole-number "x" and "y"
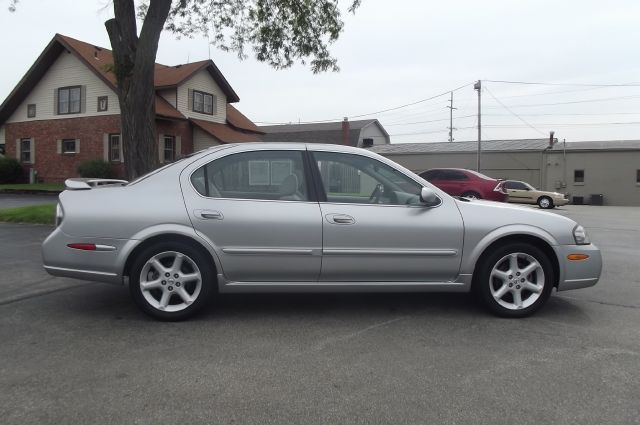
{"x": 340, "y": 219}
{"x": 209, "y": 214}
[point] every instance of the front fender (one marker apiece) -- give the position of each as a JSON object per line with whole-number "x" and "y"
{"x": 475, "y": 244}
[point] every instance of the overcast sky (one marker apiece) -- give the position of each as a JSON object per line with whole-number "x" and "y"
{"x": 394, "y": 53}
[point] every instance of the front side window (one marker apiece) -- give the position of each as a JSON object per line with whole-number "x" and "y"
{"x": 69, "y": 146}
{"x": 578, "y": 176}
{"x": 25, "y": 150}
{"x": 69, "y": 100}
{"x": 169, "y": 149}
{"x": 638, "y": 176}
{"x": 203, "y": 102}
{"x": 358, "y": 179}
{"x": 267, "y": 175}
{"x": 31, "y": 110}
{"x": 114, "y": 148}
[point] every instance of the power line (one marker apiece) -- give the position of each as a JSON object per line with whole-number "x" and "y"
{"x": 513, "y": 113}
{"x": 425, "y": 122}
{"x": 372, "y": 113}
{"x": 568, "y": 124}
{"x": 572, "y": 102}
{"x": 564, "y": 84}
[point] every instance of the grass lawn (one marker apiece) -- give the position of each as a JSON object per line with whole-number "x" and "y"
{"x": 39, "y": 214}
{"x": 35, "y": 186}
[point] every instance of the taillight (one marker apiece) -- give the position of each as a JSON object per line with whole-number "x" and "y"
{"x": 500, "y": 188}
{"x": 83, "y": 246}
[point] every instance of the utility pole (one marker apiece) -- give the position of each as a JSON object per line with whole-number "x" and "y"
{"x": 478, "y": 86}
{"x": 451, "y": 108}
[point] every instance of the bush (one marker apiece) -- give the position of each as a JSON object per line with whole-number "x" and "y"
{"x": 96, "y": 169}
{"x": 10, "y": 170}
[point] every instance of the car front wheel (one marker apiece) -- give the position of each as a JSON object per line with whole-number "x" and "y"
{"x": 171, "y": 281}
{"x": 515, "y": 280}
{"x": 545, "y": 202}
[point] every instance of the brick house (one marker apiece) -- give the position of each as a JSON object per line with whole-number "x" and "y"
{"x": 65, "y": 111}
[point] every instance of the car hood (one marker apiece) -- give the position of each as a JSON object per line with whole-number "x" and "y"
{"x": 485, "y": 216}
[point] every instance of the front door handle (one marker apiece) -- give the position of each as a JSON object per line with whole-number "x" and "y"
{"x": 340, "y": 219}
{"x": 209, "y": 214}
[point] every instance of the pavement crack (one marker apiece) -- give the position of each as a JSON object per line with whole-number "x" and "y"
{"x": 600, "y": 302}
{"x": 329, "y": 341}
{"x": 27, "y": 296}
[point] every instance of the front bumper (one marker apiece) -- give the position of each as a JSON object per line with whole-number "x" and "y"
{"x": 102, "y": 266}
{"x": 575, "y": 274}
{"x": 558, "y": 202}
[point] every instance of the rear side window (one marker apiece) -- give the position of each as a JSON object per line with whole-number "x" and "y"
{"x": 431, "y": 175}
{"x": 267, "y": 175}
{"x": 453, "y": 175}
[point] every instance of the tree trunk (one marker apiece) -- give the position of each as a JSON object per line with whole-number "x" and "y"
{"x": 134, "y": 64}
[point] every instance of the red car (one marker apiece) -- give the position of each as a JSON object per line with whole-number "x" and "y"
{"x": 467, "y": 183}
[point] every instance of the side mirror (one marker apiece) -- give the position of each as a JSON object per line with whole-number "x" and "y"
{"x": 429, "y": 197}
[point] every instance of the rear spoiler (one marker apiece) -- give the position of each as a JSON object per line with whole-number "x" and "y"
{"x": 89, "y": 183}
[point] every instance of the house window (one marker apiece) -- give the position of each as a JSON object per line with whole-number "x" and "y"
{"x": 114, "y": 148}
{"x": 31, "y": 110}
{"x": 103, "y": 103}
{"x": 202, "y": 102}
{"x": 578, "y": 176}
{"x": 169, "y": 149}
{"x": 69, "y": 100}
{"x": 69, "y": 146}
{"x": 637, "y": 176}
{"x": 25, "y": 150}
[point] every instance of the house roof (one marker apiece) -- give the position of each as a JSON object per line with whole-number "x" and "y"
{"x": 225, "y": 133}
{"x": 166, "y": 110}
{"x": 238, "y": 120}
{"x": 328, "y": 132}
{"x": 538, "y": 145}
{"x": 100, "y": 61}
{"x": 459, "y": 147}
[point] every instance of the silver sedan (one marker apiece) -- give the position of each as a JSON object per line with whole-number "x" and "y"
{"x": 309, "y": 218}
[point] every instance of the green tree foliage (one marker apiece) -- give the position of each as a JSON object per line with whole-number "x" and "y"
{"x": 279, "y": 32}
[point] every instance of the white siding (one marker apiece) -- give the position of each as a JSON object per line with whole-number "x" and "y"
{"x": 169, "y": 95}
{"x": 67, "y": 70}
{"x": 372, "y": 131}
{"x": 202, "y": 81}
{"x": 202, "y": 140}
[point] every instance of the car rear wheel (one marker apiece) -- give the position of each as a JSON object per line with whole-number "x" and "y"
{"x": 515, "y": 280}
{"x": 471, "y": 195}
{"x": 171, "y": 281}
{"x": 545, "y": 202}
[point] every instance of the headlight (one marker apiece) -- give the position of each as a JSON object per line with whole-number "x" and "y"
{"x": 580, "y": 235}
{"x": 59, "y": 214}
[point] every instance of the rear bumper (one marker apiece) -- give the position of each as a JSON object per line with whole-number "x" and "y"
{"x": 578, "y": 273}
{"x": 102, "y": 266}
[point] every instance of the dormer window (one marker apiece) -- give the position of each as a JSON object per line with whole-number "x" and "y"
{"x": 203, "y": 102}
{"x": 69, "y": 100}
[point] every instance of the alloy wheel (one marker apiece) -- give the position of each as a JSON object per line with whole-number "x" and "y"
{"x": 517, "y": 281}
{"x": 170, "y": 281}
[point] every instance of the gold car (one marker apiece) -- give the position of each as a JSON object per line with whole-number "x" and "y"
{"x": 523, "y": 193}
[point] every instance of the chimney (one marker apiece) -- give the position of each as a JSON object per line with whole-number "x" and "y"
{"x": 552, "y": 141}
{"x": 345, "y": 131}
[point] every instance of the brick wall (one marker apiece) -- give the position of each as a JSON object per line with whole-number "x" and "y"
{"x": 54, "y": 167}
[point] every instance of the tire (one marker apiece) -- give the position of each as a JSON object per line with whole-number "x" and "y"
{"x": 509, "y": 294}
{"x": 471, "y": 195}
{"x": 171, "y": 298}
{"x": 545, "y": 202}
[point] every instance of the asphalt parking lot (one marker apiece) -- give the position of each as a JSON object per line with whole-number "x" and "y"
{"x": 79, "y": 352}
